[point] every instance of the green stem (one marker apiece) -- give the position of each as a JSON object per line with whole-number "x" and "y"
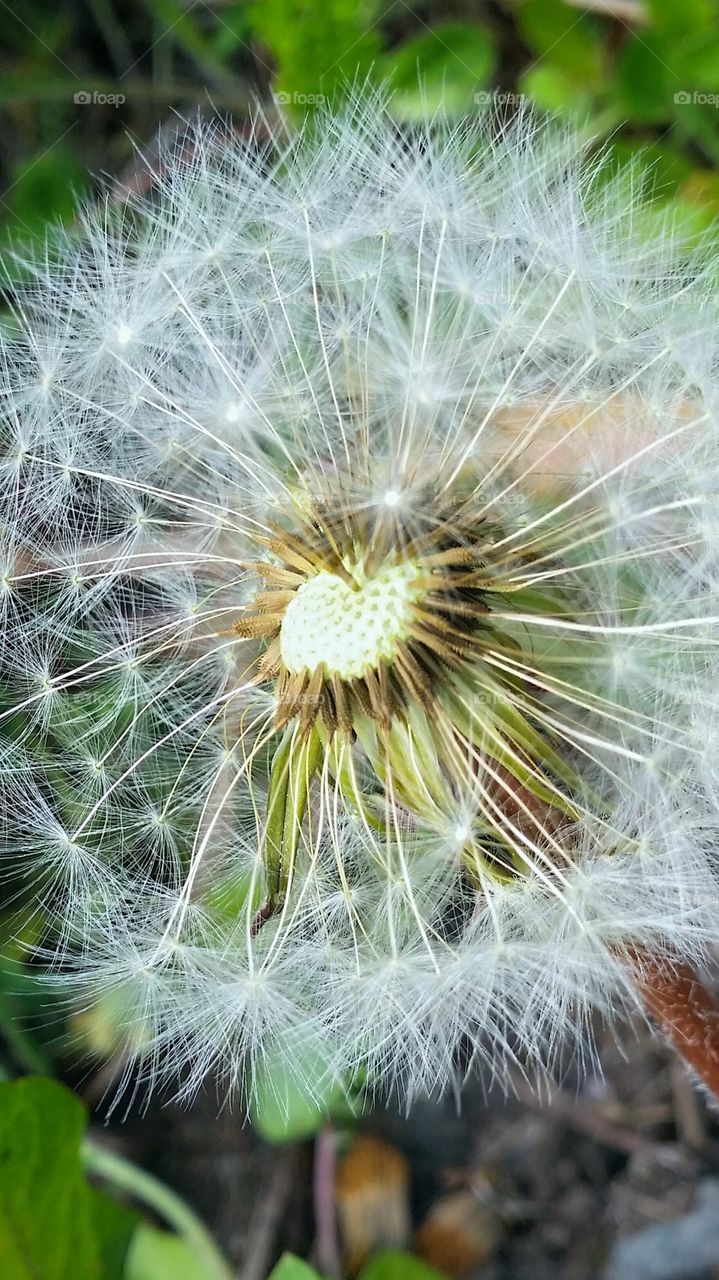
{"x": 122, "y": 1175}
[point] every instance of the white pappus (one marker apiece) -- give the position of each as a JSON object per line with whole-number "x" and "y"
{"x": 359, "y": 583}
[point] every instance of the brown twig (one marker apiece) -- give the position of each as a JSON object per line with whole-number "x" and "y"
{"x": 687, "y": 1110}
{"x": 327, "y": 1249}
{"x": 265, "y": 1221}
{"x": 589, "y": 1121}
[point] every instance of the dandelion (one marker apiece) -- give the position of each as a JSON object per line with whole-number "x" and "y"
{"x": 359, "y": 580}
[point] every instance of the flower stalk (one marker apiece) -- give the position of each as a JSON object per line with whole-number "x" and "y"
{"x": 124, "y": 1176}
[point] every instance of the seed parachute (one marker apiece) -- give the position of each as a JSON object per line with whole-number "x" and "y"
{"x": 360, "y": 549}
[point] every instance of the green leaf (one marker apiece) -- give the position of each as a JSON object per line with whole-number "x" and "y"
{"x": 316, "y": 47}
{"x": 45, "y": 189}
{"x": 688, "y": 221}
{"x": 23, "y": 1000}
{"x": 291, "y": 1268}
{"x": 285, "y": 1109}
{"x": 232, "y": 31}
{"x": 151, "y": 1252}
{"x": 568, "y": 40}
{"x": 698, "y": 64}
{"x": 114, "y": 1225}
{"x": 553, "y": 90}
{"x": 676, "y": 17}
{"x": 697, "y": 124}
{"x": 440, "y": 68}
{"x": 656, "y": 171}
{"x": 159, "y": 1255}
{"x": 393, "y": 1265}
{"x": 227, "y": 898}
{"x": 46, "y": 1210}
{"x": 692, "y": 219}
{"x": 701, "y": 187}
{"x": 646, "y": 81}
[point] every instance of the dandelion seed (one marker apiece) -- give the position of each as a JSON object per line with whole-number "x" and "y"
{"x": 361, "y": 603}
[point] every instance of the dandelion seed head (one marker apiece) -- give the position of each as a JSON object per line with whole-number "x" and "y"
{"x": 359, "y": 654}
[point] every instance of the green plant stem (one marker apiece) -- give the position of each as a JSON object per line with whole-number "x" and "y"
{"x": 122, "y": 1175}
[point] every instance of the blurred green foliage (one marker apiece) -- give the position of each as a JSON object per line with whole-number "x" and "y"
{"x": 81, "y": 84}
{"x": 291, "y": 1268}
{"x": 315, "y": 46}
{"x": 391, "y": 1265}
{"x": 283, "y": 1111}
{"x": 55, "y": 1224}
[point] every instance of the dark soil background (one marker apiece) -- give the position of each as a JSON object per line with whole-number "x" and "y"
{"x": 613, "y": 1176}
